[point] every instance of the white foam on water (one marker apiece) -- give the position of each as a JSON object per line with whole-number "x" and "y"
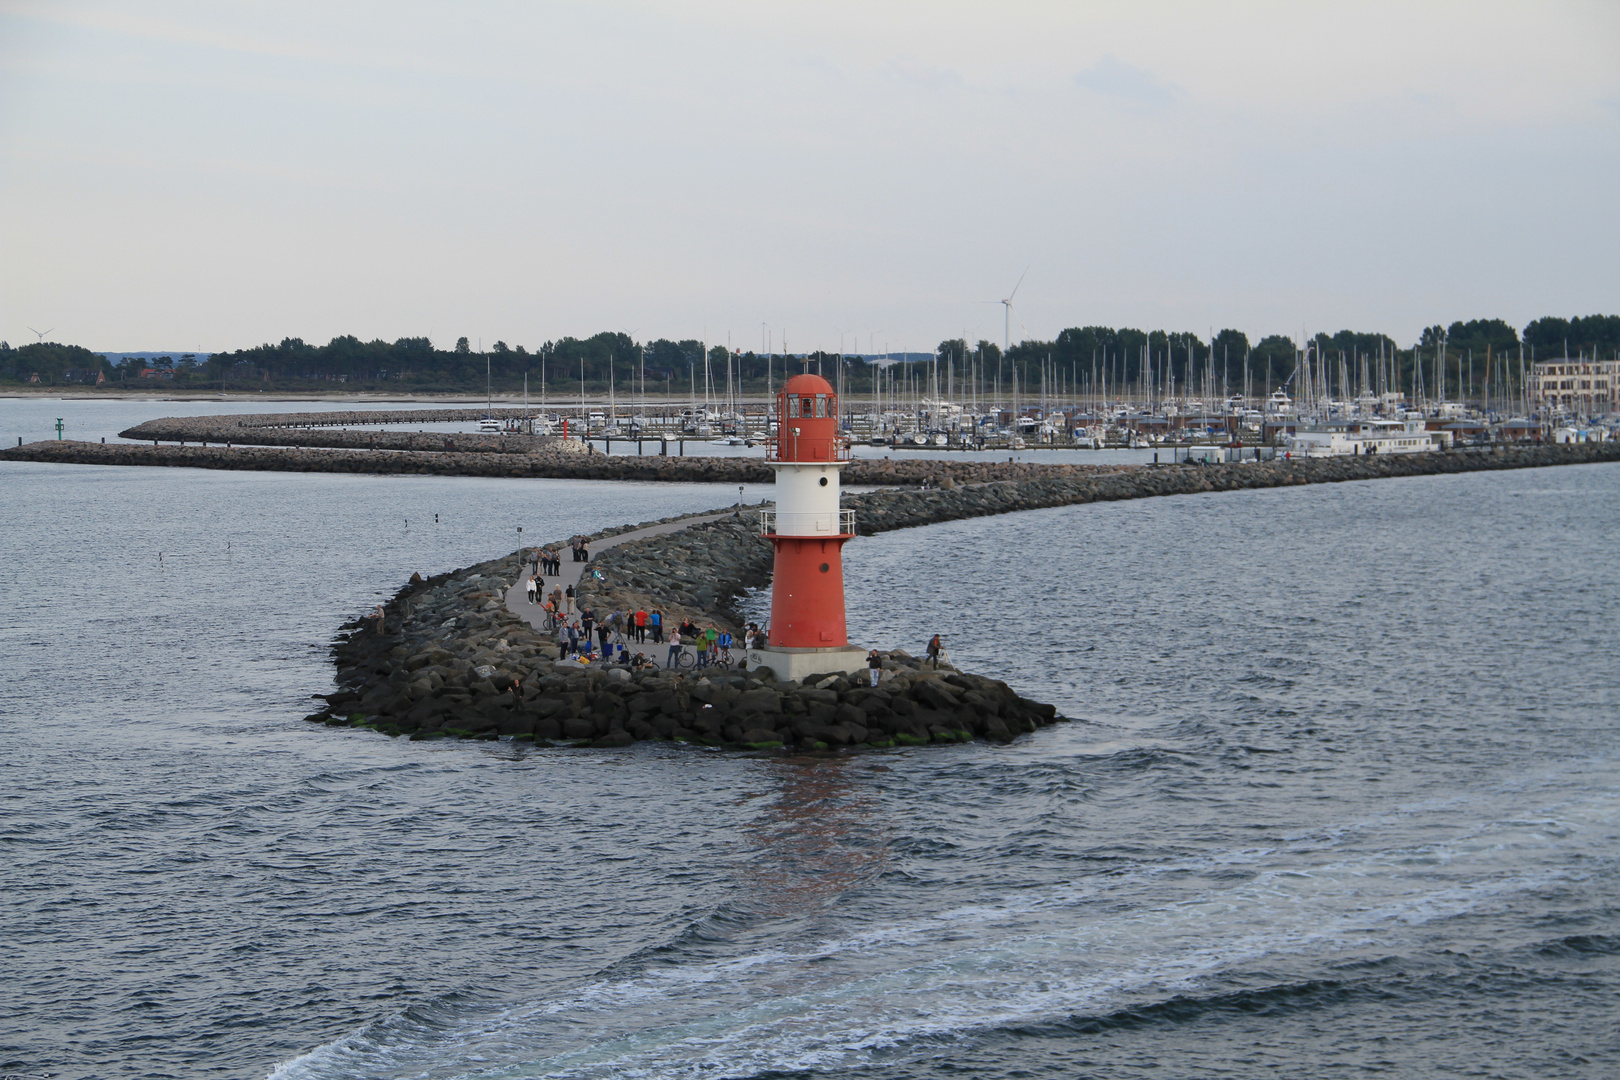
{"x": 1119, "y": 940}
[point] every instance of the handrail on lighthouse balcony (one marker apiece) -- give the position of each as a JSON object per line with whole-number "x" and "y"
{"x": 840, "y": 450}
{"x": 774, "y": 523}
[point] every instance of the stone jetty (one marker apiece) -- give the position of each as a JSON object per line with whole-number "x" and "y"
{"x": 189, "y": 426}
{"x": 467, "y": 456}
{"x": 425, "y": 441}
{"x": 448, "y": 657}
{"x": 882, "y": 511}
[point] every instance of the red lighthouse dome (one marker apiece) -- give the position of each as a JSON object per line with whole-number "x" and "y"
{"x": 807, "y": 422}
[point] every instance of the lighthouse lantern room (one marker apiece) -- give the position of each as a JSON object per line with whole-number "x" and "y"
{"x": 808, "y": 529}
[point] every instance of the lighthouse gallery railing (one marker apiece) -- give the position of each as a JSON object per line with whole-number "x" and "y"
{"x": 840, "y": 450}
{"x": 773, "y": 523}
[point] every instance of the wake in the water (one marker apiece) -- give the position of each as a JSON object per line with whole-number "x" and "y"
{"x": 1330, "y": 915}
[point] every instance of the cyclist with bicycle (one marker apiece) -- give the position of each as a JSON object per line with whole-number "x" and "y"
{"x": 724, "y": 642}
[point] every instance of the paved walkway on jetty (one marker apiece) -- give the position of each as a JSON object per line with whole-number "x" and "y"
{"x": 517, "y": 597}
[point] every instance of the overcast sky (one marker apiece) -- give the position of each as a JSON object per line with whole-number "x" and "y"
{"x": 207, "y": 176}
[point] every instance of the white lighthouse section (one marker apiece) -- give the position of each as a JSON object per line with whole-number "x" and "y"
{"x": 807, "y": 499}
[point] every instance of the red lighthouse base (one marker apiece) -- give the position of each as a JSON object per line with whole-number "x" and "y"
{"x": 807, "y": 611}
{"x": 807, "y": 594}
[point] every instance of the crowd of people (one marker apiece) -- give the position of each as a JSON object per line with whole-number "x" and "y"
{"x": 612, "y": 637}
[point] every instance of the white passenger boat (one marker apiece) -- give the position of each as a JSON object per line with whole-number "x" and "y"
{"x": 1367, "y": 436}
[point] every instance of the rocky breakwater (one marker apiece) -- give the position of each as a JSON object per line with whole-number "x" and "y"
{"x": 550, "y": 462}
{"x": 699, "y": 572}
{"x": 222, "y": 430}
{"x": 885, "y": 510}
{"x": 191, "y": 427}
{"x": 493, "y": 455}
{"x": 447, "y": 659}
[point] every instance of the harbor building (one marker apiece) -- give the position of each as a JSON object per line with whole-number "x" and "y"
{"x": 1584, "y": 386}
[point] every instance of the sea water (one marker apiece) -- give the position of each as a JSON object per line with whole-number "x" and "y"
{"x": 1338, "y": 796}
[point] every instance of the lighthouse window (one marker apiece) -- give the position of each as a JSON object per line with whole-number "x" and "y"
{"x": 793, "y": 408}
{"x": 807, "y": 407}
{"x": 823, "y": 481}
{"x": 821, "y": 404}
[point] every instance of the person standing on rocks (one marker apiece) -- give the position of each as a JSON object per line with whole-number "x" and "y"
{"x": 934, "y": 649}
{"x": 656, "y": 621}
{"x": 874, "y": 665}
{"x": 674, "y": 650}
{"x": 641, "y": 626}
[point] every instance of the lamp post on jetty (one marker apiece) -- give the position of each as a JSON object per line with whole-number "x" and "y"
{"x": 808, "y": 530}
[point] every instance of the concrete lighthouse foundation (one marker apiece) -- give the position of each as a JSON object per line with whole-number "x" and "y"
{"x": 808, "y": 530}
{"x": 792, "y": 665}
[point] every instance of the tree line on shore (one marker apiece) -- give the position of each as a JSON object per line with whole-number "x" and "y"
{"x": 1081, "y": 360}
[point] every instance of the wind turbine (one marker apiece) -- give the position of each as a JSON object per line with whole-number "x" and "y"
{"x": 1007, "y": 304}
{"x": 42, "y": 333}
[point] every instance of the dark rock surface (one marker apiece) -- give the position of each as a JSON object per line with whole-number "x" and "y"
{"x": 327, "y": 430}
{"x": 881, "y": 511}
{"x": 1031, "y": 485}
{"x": 698, "y": 572}
{"x": 447, "y": 659}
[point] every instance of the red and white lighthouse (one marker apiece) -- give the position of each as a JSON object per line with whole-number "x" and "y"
{"x": 809, "y": 531}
